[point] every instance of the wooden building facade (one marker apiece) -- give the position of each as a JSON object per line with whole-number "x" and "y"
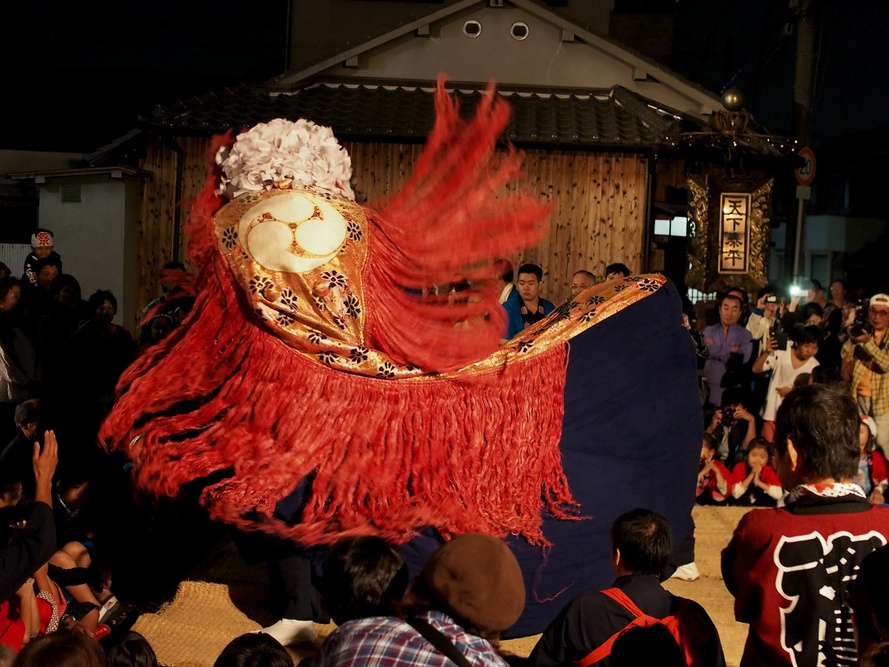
{"x": 598, "y": 204}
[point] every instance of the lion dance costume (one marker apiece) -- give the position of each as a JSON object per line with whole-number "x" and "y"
{"x": 318, "y": 358}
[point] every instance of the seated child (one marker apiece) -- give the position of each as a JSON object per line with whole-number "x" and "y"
{"x": 872, "y": 467}
{"x": 585, "y": 632}
{"x": 42, "y": 244}
{"x": 35, "y": 610}
{"x": 75, "y": 565}
{"x": 18, "y": 614}
{"x": 38, "y": 604}
{"x": 712, "y": 486}
{"x": 754, "y": 481}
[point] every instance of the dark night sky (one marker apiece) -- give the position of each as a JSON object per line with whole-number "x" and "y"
{"x": 744, "y": 42}
{"x": 79, "y": 73}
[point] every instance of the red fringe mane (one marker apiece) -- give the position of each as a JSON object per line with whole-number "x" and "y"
{"x": 448, "y": 221}
{"x": 478, "y": 452}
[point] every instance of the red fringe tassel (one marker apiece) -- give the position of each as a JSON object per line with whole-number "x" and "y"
{"x": 448, "y": 223}
{"x": 478, "y": 452}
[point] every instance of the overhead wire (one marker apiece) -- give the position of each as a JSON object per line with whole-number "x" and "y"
{"x": 782, "y": 37}
{"x": 821, "y": 64}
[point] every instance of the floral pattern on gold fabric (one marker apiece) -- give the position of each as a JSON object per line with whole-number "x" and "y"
{"x": 577, "y": 314}
{"x": 319, "y": 311}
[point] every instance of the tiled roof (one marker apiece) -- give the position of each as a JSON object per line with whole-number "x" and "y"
{"x": 614, "y": 117}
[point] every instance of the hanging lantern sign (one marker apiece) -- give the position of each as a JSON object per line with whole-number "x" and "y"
{"x": 729, "y": 233}
{"x": 734, "y": 232}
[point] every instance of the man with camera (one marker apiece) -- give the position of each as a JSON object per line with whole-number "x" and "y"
{"x": 764, "y": 323}
{"x": 733, "y": 427}
{"x": 866, "y": 362}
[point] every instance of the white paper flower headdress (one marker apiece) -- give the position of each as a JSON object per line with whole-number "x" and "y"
{"x": 285, "y": 154}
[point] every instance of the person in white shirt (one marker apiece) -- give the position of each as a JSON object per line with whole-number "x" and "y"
{"x": 765, "y": 316}
{"x": 785, "y": 365}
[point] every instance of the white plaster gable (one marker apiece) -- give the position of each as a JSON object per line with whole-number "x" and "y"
{"x": 543, "y": 59}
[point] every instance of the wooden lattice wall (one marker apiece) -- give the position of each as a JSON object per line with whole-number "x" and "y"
{"x": 598, "y": 214}
{"x": 158, "y": 234}
{"x": 598, "y": 204}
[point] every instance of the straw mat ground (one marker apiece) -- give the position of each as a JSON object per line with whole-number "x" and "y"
{"x": 227, "y": 598}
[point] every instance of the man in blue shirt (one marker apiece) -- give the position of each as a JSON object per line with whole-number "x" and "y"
{"x": 729, "y": 346}
{"x": 529, "y": 308}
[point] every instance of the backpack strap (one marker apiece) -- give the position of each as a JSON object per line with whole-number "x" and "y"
{"x": 624, "y": 601}
{"x": 685, "y": 627}
{"x": 439, "y": 640}
{"x": 604, "y": 649}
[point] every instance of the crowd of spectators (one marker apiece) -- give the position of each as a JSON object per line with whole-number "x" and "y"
{"x": 793, "y": 410}
{"x": 751, "y": 358}
{"x": 60, "y": 359}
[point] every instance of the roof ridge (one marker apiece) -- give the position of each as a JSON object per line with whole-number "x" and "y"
{"x": 405, "y": 111}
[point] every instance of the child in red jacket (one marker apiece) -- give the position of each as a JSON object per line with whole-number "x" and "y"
{"x": 713, "y": 477}
{"x": 872, "y": 467}
{"x": 753, "y": 481}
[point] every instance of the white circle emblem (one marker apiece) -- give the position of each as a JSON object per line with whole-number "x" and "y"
{"x": 293, "y": 233}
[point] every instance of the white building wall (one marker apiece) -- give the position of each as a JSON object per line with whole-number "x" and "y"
{"x": 541, "y": 59}
{"x": 14, "y": 256}
{"x": 96, "y": 236}
{"x": 827, "y": 237}
{"x": 830, "y": 235}
{"x": 840, "y": 233}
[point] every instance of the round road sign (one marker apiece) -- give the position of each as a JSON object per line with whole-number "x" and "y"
{"x": 806, "y": 173}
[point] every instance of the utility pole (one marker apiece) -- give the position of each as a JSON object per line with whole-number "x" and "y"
{"x": 804, "y": 76}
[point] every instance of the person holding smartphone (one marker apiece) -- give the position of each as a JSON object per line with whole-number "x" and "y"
{"x": 785, "y": 365}
{"x": 765, "y": 320}
{"x": 764, "y": 323}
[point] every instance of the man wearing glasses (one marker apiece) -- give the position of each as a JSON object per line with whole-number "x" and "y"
{"x": 866, "y": 359}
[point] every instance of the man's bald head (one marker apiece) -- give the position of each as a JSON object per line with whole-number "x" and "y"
{"x": 581, "y": 280}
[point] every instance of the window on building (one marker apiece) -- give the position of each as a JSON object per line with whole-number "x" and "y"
{"x": 678, "y": 226}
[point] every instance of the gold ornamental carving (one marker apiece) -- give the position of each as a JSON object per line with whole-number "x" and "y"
{"x": 729, "y": 233}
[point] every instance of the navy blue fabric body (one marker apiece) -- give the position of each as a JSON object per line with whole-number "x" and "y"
{"x": 631, "y": 438}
